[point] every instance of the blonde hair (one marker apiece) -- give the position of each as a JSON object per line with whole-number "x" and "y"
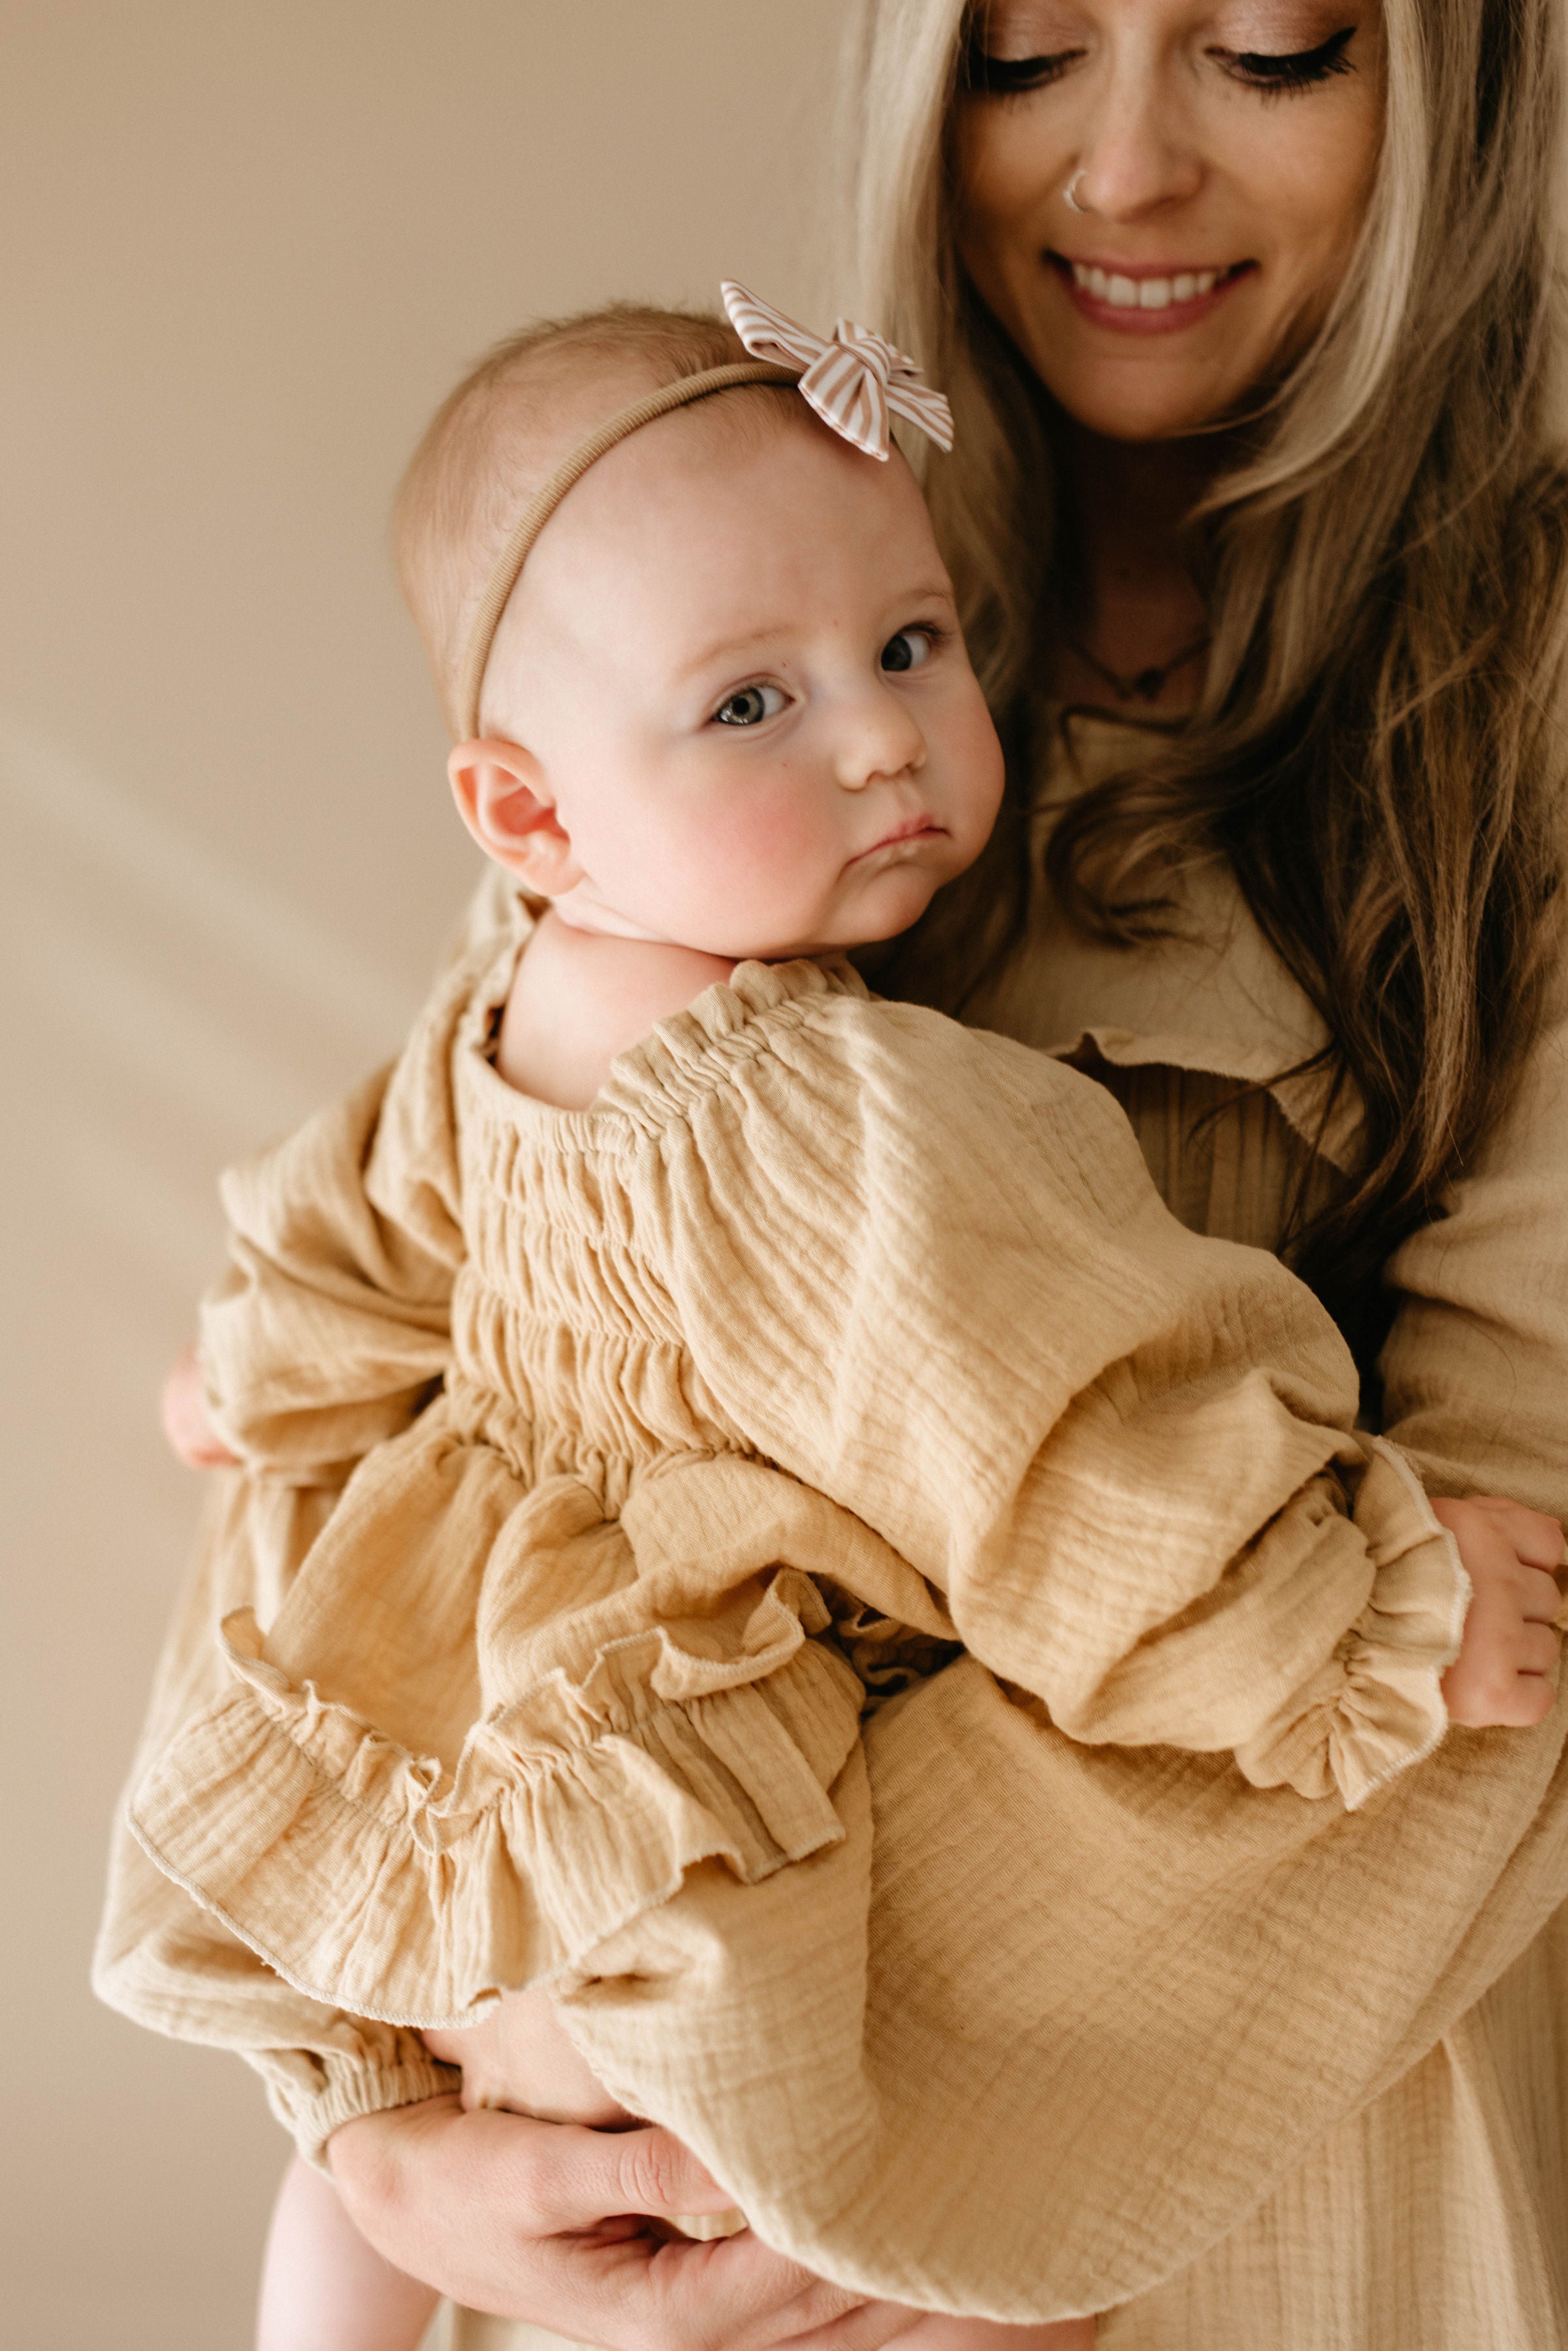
{"x": 497, "y": 436}
{"x": 1376, "y": 749}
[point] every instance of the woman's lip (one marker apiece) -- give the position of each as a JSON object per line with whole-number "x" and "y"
{"x": 1145, "y": 297}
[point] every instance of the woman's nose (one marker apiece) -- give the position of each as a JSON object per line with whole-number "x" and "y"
{"x": 1137, "y": 153}
{"x": 879, "y": 739}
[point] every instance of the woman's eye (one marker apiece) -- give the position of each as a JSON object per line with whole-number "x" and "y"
{"x": 984, "y": 76}
{"x": 908, "y": 649}
{"x": 751, "y": 705}
{"x": 1281, "y": 75}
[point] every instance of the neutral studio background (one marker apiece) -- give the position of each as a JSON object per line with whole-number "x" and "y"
{"x": 247, "y": 246}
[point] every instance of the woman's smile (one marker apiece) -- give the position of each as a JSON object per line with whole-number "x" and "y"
{"x": 1146, "y": 297}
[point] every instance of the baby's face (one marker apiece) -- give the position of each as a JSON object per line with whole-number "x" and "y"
{"x": 734, "y": 668}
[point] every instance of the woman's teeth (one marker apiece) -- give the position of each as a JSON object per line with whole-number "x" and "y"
{"x": 1143, "y": 293}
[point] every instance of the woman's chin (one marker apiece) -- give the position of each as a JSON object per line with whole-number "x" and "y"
{"x": 1139, "y": 412}
{"x": 1149, "y": 391}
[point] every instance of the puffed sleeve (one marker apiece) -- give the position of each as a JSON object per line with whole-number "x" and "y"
{"x": 327, "y": 1332}
{"x": 927, "y": 1273}
{"x": 165, "y": 1961}
{"x": 331, "y": 1325}
{"x": 1475, "y": 1371}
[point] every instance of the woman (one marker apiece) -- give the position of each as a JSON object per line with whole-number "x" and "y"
{"x": 1283, "y": 270}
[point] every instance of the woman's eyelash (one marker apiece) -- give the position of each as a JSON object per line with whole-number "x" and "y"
{"x": 1298, "y": 71}
{"x": 984, "y": 76}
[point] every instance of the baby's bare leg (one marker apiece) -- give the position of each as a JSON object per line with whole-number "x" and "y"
{"x": 519, "y": 2057}
{"x": 323, "y": 2288}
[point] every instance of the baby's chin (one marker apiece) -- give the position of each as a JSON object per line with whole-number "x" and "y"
{"x": 883, "y": 907}
{"x": 888, "y": 914}
{"x": 891, "y": 906}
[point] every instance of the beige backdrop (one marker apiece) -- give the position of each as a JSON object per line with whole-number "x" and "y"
{"x": 248, "y": 243}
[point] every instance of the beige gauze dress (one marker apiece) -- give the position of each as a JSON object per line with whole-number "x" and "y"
{"x": 830, "y": 1335}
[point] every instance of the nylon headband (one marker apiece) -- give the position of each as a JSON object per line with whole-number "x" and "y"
{"x": 543, "y": 504}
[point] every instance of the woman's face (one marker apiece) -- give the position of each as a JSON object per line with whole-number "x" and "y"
{"x": 1223, "y": 151}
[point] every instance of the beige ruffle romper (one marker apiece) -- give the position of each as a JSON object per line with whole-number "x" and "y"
{"x": 832, "y": 1336}
{"x": 832, "y": 1331}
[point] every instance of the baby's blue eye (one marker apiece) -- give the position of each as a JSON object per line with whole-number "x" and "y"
{"x": 751, "y": 705}
{"x": 907, "y": 650}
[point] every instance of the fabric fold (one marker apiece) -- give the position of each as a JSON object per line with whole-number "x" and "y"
{"x": 367, "y": 1875}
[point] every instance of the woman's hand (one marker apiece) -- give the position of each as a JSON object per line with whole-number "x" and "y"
{"x": 540, "y": 2222}
{"x": 1502, "y": 1675}
{"x": 190, "y": 1435}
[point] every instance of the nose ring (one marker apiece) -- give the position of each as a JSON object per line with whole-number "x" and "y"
{"x": 1070, "y": 199}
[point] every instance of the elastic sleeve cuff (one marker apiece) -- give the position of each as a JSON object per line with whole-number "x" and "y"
{"x": 349, "y": 2092}
{"x": 1377, "y": 1707}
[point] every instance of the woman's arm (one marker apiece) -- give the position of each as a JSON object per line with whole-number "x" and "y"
{"x": 1475, "y": 1371}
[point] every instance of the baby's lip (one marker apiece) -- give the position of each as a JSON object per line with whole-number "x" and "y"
{"x": 914, "y": 828}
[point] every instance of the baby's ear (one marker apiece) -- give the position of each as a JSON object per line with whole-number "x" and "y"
{"x": 507, "y": 805}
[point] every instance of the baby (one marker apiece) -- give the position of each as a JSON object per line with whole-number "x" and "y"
{"x": 830, "y": 1390}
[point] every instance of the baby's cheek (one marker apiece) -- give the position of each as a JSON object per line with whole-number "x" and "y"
{"x": 976, "y": 771}
{"x": 765, "y": 863}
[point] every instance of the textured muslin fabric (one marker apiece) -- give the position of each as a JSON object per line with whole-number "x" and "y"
{"x": 1290, "y": 1983}
{"x": 761, "y": 1372}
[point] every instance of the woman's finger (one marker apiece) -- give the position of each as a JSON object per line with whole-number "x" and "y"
{"x": 589, "y": 2174}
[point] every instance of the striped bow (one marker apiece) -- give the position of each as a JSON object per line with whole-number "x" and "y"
{"x": 851, "y": 382}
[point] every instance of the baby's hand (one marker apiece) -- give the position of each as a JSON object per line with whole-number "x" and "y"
{"x": 1501, "y": 1676}
{"x": 190, "y": 1435}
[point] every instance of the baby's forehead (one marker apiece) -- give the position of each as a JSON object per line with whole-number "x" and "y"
{"x": 751, "y": 482}
{"x": 700, "y": 540}
{"x": 726, "y": 459}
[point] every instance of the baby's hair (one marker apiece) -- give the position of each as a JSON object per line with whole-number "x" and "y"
{"x": 496, "y": 438}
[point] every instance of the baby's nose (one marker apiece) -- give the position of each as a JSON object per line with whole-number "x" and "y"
{"x": 882, "y": 741}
